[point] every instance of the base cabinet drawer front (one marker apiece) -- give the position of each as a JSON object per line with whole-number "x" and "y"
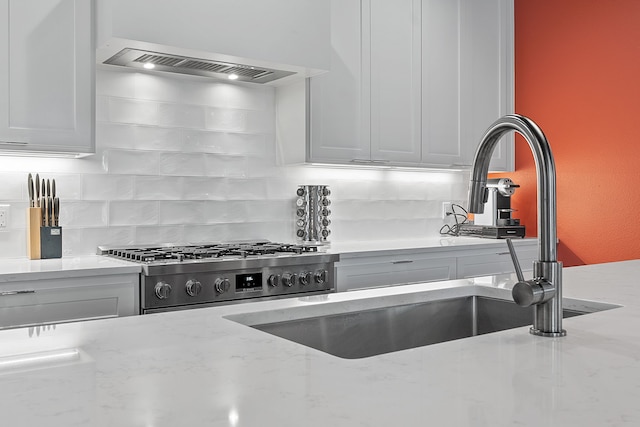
{"x": 494, "y": 263}
{"x": 363, "y": 276}
{"x": 393, "y": 271}
{"x": 44, "y": 302}
{"x": 425, "y": 270}
{"x": 407, "y": 266}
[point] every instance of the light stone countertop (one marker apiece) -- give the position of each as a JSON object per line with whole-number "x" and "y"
{"x": 348, "y": 249}
{"x": 198, "y": 368}
{"x": 20, "y": 269}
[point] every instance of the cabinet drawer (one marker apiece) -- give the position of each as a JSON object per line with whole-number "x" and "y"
{"x": 53, "y": 301}
{"x": 394, "y": 272}
{"x": 493, "y": 263}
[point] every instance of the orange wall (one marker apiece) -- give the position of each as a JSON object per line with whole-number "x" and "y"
{"x": 578, "y": 76}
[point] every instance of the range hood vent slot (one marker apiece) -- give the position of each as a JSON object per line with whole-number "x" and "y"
{"x": 137, "y": 58}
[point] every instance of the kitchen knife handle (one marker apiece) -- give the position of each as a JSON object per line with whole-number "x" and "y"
{"x": 56, "y": 211}
{"x": 49, "y": 211}
{"x": 30, "y": 188}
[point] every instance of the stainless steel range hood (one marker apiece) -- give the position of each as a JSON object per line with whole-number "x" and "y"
{"x": 144, "y": 59}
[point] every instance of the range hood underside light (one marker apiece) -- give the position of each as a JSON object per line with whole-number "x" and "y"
{"x": 136, "y": 58}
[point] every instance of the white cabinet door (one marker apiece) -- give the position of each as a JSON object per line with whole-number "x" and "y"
{"x": 47, "y": 88}
{"x": 366, "y": 110}
{"x": 442, "y": 144}
{"x": 338, "y": 113}
{"x": 467, "y": 79}
{"x": 391, "y": 56}
{"x": 486, "y": 75}
{"x": 30, "y": 303}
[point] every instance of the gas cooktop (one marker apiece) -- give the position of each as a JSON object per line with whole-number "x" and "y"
{"x": 176, "y": 277}
{"x": 179, "y": 253}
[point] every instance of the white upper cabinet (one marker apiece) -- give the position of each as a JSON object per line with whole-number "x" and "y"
{"x": 414, "y": 83}
{"x": 467, "y": 79}
{"x": 285, "y": 34}
{"x": 47, "y": 83}
{"x": 391, "y": 57}
{"x": 339, "y": 113}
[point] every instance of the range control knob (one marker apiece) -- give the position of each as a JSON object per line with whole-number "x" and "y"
{"x": 162, "y": 290}
{"x": 193, "y": 288}
{"x": 321, "y": 276}
{"x": 273, "y": 280}
{"x": 305, "y": 278}
{"x": 288, "y": 279}
{"x": 222, "y": 285}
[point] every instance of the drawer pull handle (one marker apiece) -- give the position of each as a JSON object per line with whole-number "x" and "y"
{"x": 406, "y": 261}
{"x": 7, "y": 293}
{"x": 503, "y": 253}
{"x": 13, "y": 143}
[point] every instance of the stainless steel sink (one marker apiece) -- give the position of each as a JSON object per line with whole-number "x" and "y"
{"x": 358, "y": 334}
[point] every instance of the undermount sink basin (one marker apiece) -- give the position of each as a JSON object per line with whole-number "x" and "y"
{"x": 358, "y": 334}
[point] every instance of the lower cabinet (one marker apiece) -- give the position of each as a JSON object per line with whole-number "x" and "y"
{"x": 482, "y": 263}
{"x": 360, "y": 271}
{"x": 31, "y": 303}
{"x": 377, "y": 271}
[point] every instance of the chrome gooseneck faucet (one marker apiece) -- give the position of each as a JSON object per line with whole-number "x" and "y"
{"x": 545, "y": 289}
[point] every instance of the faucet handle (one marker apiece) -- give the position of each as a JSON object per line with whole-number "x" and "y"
{"x": 528, "y": 292}
{"x": 514, "y": 259}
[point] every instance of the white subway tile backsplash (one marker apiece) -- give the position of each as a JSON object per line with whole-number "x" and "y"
{"x": 246, "y": 189}
{"x": 204, "y": 188}
{"x": 107, "y": 187}
{"x": 102, "y": 109}
{"x": 226, "y": 166}
{"x": 182, "y": 212}
{"x": 133, "y": 213}
{"x": 131, "y": 162}
{"x": 208, "y": 233}
{"x": 145, "y": 235}
{"x": 228, "y": 120}
{"x": 238, "y": 96}
{"x": 13, "y": 243}
{"x": 92, "y": 237}
{"x": 122, "y": 110}
{"x": 216, "y": 211}
{"x": 183, "y": 164}
{"x": 83, "y": 214}
{"x": 187, "y": 116}
{"x": 239, "y": 211}
{"x": 158, "y": 138}
{"x": 14, "y": 186}
{"x": 158, "y": 187}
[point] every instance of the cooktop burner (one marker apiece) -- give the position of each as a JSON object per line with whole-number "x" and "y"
{"x": 208, "y": 251}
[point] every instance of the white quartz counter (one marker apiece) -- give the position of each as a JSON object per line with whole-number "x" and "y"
{"x": 197, "y": 368}
{"x": 435, "y": 244}
{"x": 20, "y": 269}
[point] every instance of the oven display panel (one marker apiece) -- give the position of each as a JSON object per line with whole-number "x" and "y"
{"x": 248, "y": 282}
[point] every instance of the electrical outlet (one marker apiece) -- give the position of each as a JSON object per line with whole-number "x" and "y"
{"x": 446, "y": 209}
{"x": 4, "y": 216}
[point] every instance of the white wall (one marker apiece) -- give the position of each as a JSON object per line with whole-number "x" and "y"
{"x": 194, "y": 160}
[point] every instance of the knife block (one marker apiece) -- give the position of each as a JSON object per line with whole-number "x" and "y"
{"x": 34, "y": 219}
{"x": 50, "y": 242}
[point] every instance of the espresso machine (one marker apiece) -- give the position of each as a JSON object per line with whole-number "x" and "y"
{"x": 496, "y": 222}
